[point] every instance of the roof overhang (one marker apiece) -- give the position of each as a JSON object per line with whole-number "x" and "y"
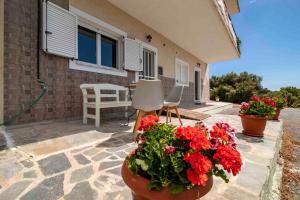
{"x": 232, "y": 6}
{"x": 195, "y": 25}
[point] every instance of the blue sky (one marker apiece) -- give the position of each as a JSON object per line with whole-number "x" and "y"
{"x": 270, "y": 34}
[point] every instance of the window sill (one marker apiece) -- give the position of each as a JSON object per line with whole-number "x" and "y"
{"x": 83, "y": 66}
{"x": 183, "y": 84}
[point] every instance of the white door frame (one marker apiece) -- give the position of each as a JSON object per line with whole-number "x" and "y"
{"x": 199, "y": 86}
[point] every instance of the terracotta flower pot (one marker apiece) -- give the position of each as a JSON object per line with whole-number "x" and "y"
{"x": 253, "y": 125}
{"x": 276, "y": 116}
{"x": 138, "y": 185}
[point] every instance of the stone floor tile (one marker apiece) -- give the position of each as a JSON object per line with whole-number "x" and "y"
{"x": 48, "y": 189}
{"x": 100, "y": 156}
{"x": 116, "y": 171}
{"x": 15, "y": 190}
{"x": 252, "y": 177}
{"x": 91, "y": 151}
{"x": 81, "y": 159}
{"x": 82, "y": 191}
{"x": 121, "y": 154}
{"x": 30, "y": 174}
{"x": 54, "y": 164}
{"x": 81, "y": 174}
{"x": 235, "y": 193}
{"x": 109, "y": 164}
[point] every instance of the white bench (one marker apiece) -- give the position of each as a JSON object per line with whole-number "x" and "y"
{"x": 96, "y": 100}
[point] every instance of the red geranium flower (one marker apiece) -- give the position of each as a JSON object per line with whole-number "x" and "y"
{"x": 229, "y": 158}
{"x": 219, "y": 133}
{"x": 254, "y": 98}
{"x": 245, "y": 106}
{"x": 196, "y": 178}
{"x": 196, "y": 136}
{"x": 201, "y": 165}
{"x": 148, "y": 122}
{"x": 269, "y": 102}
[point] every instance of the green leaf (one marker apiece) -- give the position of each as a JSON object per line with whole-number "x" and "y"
{"x": 154, "y": 184}
{"x": 176, "y": 188}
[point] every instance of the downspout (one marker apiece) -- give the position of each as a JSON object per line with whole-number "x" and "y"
{"x": 40, "y": 82}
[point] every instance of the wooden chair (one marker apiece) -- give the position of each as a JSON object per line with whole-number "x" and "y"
{"x": 147, "y": 98}
{"x": 172, "y": 102}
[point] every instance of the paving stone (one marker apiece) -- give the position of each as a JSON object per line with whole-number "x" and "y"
{"x": 48, "y": 189}
{"x": 252, "y": 177}
{"x": 30, "y": 174}
{"x": 82, "y": 191}
{"x": 15, "y": 190}
{"x": 98, "y": 185}
{"x": 54, "y": 164}
{"x": 119, "y": 148}
{"x": 100, "y": 156}
{"x": 92, "y": 151}
{"x": 121, "y": 154}
{"x": 81, "y": 174}
{"x": 81, "y": 159}
{"x": 27, "y": 163}
{"x": 9, "y": 169}
{"x": 103, "y": 178}
{"x": 244, "y": 147}
{"x": 235, "y": 193}
{"x": 109, "y": 164}
{"x": 113, "y": 158}
{"x": 116, "y": 171}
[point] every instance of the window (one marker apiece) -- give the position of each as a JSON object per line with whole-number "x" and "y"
{"x": 181, "y": 72}
{"x": 101, "y": 46}
{"x": 108, "y": 52}
{"x": 148, "y": 65}
{"x": 87, "y": 43}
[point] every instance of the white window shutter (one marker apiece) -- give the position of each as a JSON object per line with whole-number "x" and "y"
{"x": 133, "y": 55}
{"x": 59, "y": 31}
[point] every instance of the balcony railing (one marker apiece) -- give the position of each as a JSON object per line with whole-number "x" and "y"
{"x": 226, "y": 18}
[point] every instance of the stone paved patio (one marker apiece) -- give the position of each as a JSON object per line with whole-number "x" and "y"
{"x": 91, "y": 169}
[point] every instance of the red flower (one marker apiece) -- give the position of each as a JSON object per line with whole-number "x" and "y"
{"x": 198, "y": 162}
{"x": 196, "y": 136}
{"x": 200, "y": 165}
{"x": 196, "y": 178}
{"x": 254, "y": 98}
{"x": 269, "y": 102}
{"x": 199, "y": 142}
{"x": 148, "y": 122}
{"x": 169, "y": 150}
{"x": 219, "y": 133}
{"x": 229, "y": 158}
{"x": 245, "y": 106}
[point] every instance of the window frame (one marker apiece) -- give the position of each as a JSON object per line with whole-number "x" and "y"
{"x": 101, "y": 28}
{"x": 153, "y": 49}
{"x": 177, "y": 60}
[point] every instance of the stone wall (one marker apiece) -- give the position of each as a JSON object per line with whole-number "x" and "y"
{"x": 63, "y": 99}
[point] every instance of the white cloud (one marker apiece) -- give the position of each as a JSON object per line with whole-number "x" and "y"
{"x": 252, "y": 1}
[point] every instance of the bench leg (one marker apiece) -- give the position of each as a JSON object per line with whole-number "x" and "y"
{"x": 84, "y": 114}
{"x": 97, "y": 117}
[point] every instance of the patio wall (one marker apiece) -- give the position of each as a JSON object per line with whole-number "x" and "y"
{"x": 63, "y": 98}
{"x": 1, "y": 58}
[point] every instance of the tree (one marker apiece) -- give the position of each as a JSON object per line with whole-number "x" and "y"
{"x": 235, "y": 88}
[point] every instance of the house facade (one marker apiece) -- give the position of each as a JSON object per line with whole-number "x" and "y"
{"x": 69, "y": 42}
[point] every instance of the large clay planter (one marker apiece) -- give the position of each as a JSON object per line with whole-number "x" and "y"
{"x": 253, "y": 125}
{"x": 138, "y": 185}
{"x": 276, "y": 116}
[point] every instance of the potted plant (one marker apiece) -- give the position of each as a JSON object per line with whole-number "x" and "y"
{"x": 254, "y": 115}
{"x": 280, "y": 104}
{"x": 178, "y": 163}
